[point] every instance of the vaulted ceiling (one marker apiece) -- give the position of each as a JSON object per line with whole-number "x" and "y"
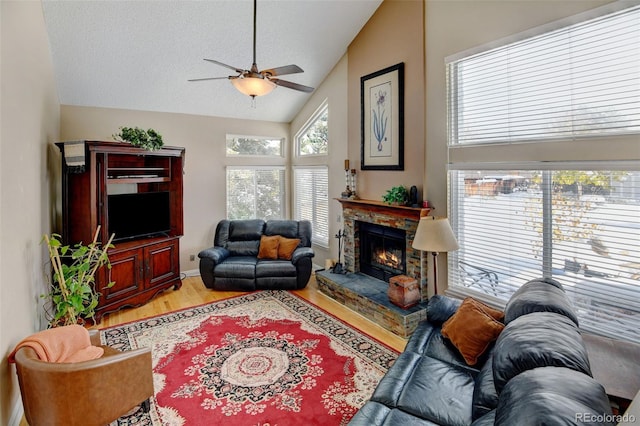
{"x": 140, "y": 54}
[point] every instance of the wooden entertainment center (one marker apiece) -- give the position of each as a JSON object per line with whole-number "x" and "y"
{"x": 145, "y": 260}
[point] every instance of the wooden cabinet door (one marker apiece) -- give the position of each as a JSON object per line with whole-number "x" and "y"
{"x": 127, "y": 273}
{"x": 162, "y": 262}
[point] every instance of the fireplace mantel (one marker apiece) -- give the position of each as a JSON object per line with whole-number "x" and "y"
{"x": 384, "y": 208}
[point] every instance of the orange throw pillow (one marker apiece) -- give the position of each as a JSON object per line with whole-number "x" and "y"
{"x": 269, "y": 247}
{"x": 287, "y": 247}
{"x": 472, "y": 329}
{"x": 493, "y": 313}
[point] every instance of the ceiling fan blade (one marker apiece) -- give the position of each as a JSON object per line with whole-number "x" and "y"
{"x": 291, "y": 85}
{"x": 287, "y": 69}
{"x": 238, "y": 70}
{"x": 210, "y": 78}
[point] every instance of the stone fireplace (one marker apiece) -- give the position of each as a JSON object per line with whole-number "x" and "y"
{"x": 377, "y": 246}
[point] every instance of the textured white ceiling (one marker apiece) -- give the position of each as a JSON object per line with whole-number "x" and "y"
{"x": 139, "y": 54}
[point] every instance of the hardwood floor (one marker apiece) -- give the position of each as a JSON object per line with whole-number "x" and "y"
{"x": 193, "y": 292}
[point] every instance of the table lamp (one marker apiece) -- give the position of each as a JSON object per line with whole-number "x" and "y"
{"x": 435, "y": 235}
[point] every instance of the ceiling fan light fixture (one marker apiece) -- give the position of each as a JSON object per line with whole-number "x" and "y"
{"x": 253, "y": 86}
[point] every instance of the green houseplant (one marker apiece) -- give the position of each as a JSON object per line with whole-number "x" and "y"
{"x": 72, "y": 291}
{"x": 146, "y": 139}
{"x": 398, "y": 196}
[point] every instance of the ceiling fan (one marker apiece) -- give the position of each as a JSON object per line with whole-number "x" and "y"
{"x": 254, "y": 83}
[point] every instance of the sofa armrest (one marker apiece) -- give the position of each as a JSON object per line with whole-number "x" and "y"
{"x": 301, "y": 253}
{"x": 216, "y": 254}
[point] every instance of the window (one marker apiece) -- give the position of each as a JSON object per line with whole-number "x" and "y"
{"x": 311, "y": 200}
{"x": 254, "y": 146}
{"x": 255, "y": 192}
{"x": 545, "y": 168}
{"x": 313, "y": 138}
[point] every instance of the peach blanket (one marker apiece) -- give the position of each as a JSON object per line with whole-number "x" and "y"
{"x": 70, "y": 343}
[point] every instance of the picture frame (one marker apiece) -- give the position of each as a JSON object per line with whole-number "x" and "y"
{"x": 382, "y": 119}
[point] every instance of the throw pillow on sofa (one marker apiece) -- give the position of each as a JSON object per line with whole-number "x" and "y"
{"x": 286, "y": 247}
{"x": 472, "y": 329}
{"x": 269, "y": 247}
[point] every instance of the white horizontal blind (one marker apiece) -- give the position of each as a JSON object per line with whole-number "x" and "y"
{"x": 579, "y": 227}
{"x": 576, "y": 220}
{"x": 311, "y": 200}
{"x": 573, "y": 82}
{"x": 255, "y": 192}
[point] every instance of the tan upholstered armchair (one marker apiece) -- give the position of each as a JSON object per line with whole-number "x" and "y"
{"x": 94, "y": 392}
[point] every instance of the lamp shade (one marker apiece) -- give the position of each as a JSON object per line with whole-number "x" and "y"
{"x": 435, "y": 235}
{"x": 253, "y": 86}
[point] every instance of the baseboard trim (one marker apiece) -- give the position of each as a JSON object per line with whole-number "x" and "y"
{"x": 191, "y": 273}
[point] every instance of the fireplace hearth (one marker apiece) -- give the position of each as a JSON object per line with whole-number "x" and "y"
{"x": 377, "y": 246}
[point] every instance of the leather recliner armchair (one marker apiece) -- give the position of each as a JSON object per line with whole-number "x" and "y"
{"x": 94, "y": 392}
{"x": 233, "y": 263}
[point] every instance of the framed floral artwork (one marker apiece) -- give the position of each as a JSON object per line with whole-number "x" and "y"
{"x": 382, "y": 116}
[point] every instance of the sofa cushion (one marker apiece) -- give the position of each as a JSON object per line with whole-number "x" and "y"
{"x": 286, "y": 228}
{"x": 485, "y": 397}
{"x": 246, "y": 230}
{"x": 472, "y": 329}
{"x": 243, "y": 248}
{"x": 486, "y": 420}
{"x": 286, "y": 247}
{"x": 539, "y": 339}
{"x": 553, "y": 396}
{"x": 277, "y": 268}
{"x": 540, "y": 295}
{"x": 427, "y": 340}
{"x": 374, "y": 413}
{"x": 269, "y": 247}
{"x": 237, "y": 267}
{"x": 441, "y": 308}
{"x": 428, "y": 388}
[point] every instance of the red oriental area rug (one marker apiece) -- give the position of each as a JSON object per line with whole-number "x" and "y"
{"x": 264, "y": 358}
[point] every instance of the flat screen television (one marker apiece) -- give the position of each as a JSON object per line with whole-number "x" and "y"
{"x": 143, "y": 214}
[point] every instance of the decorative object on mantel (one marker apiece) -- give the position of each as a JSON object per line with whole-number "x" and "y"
{"x": 382, "y": 119}
{"x": 350, "y": 181}
{"x": 404, "y": 291}
{"x": 413, "y": 196}
{"x": 149, "y": 139}
{"x": 396, "y": 196}
{"x": 338, "y": 268}
{"x": 435, "y": 235}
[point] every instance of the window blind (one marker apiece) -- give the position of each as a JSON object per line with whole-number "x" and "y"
{"x": 549, "y": 204}
{"x": 572, "y": 82}
{"x": 255, "y": 192}
{"x": 311, "y": 200}
{"x": 581, "y": 227}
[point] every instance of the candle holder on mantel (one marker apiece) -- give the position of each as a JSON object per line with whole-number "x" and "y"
{"x": 350, "y": 182}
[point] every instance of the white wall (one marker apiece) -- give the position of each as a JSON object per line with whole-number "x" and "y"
{"x": 30, "y": 121}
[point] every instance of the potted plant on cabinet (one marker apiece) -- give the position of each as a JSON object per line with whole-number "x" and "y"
{"x": 72, "y": 292}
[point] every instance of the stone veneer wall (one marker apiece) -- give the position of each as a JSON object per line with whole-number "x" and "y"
{"x": 386, "y": 216}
